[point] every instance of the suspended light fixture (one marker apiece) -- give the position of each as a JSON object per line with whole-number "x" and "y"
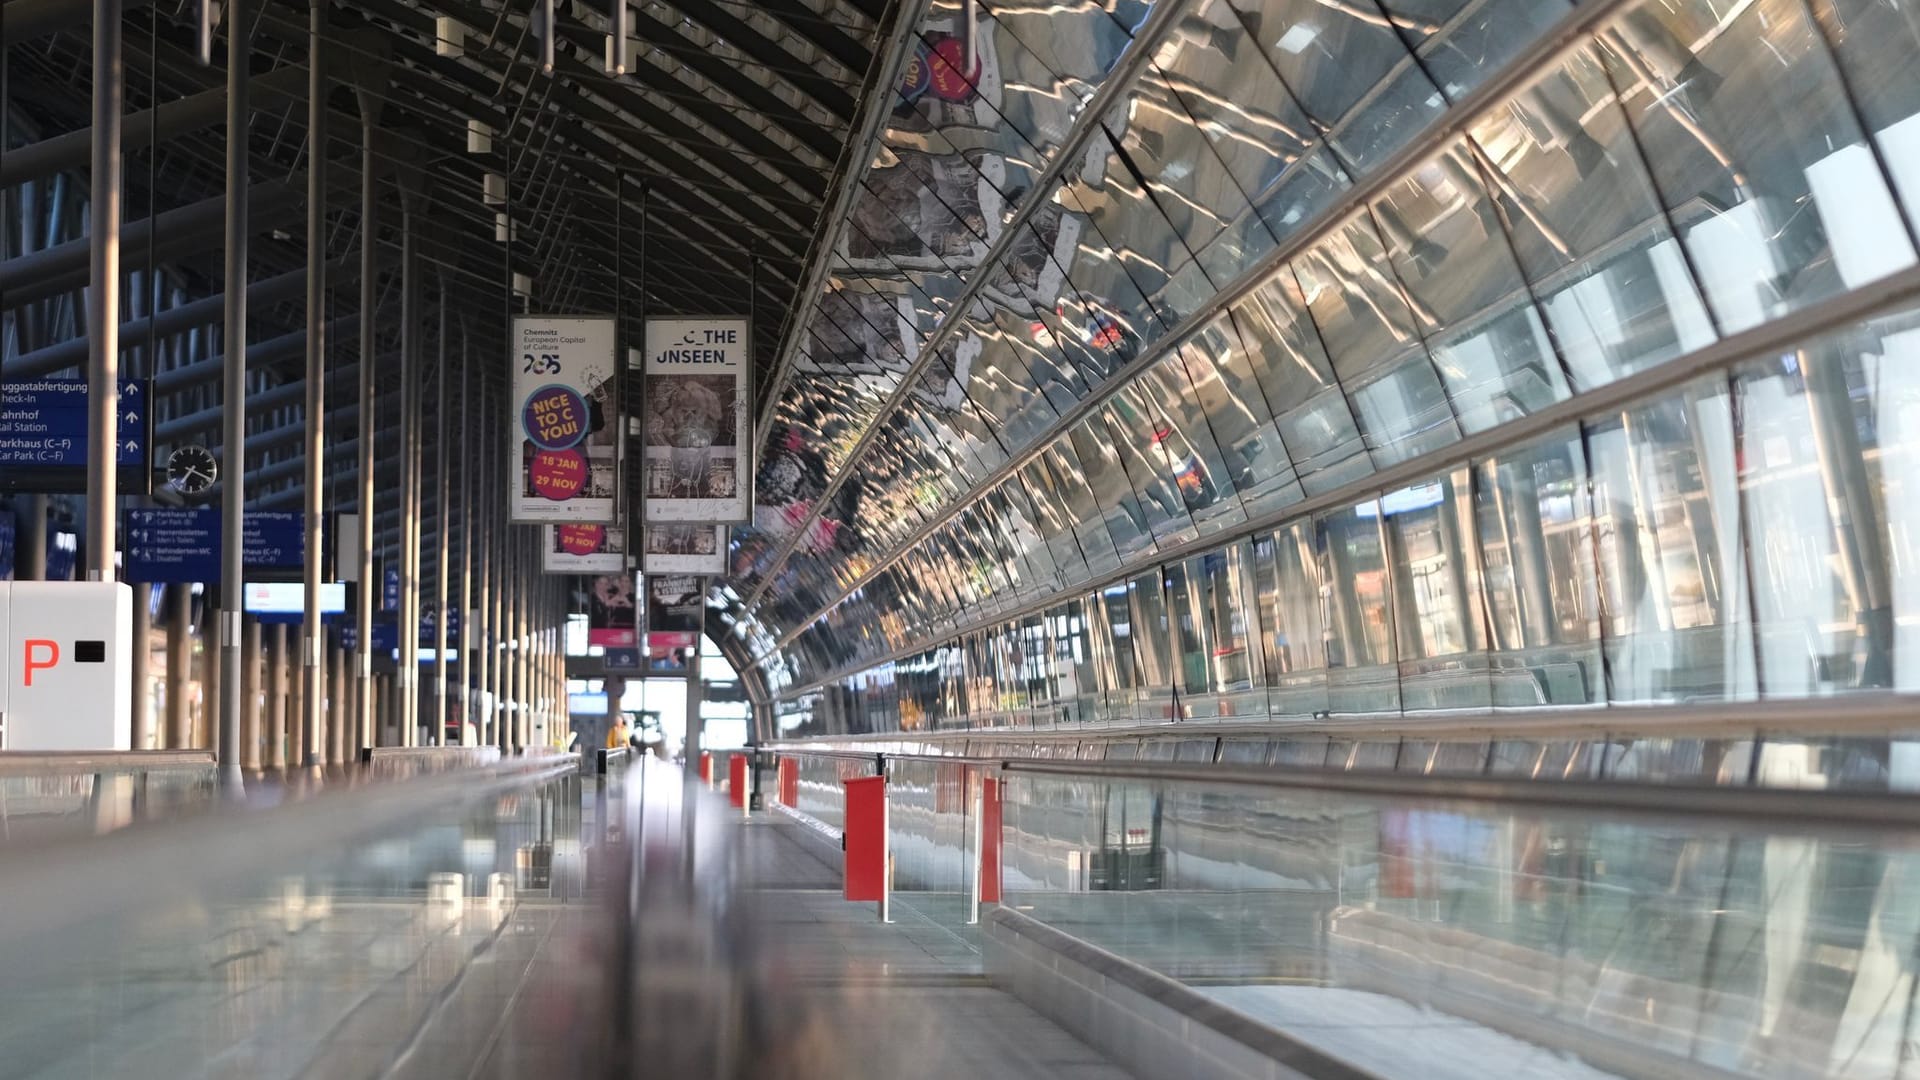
{"x": 546, "y": 36}
{"x": 449, "y": 37}
{"x": 617, "y": 40}
{"x": 209, "y": 14}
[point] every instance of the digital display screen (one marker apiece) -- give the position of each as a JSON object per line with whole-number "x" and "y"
{"x": 290, "y": 598}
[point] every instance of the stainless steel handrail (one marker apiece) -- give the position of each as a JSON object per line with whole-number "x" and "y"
{"x": 94, "y": 763}
{"x": 1779, "y": 806}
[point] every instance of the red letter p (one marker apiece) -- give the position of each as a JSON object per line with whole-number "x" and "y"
{"x": 48, "y": 653}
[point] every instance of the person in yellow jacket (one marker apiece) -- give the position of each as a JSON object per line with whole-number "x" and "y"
{"x": 617, "y": 734}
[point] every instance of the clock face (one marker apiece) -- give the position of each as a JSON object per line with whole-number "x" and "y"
{"x": 192, "y": 469}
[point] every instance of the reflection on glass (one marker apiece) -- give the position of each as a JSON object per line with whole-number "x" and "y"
{"x": 1355, "y": 609}
{"x": 1756, "y": 154}
{"x": 1310, "y": 412}
{"x": 1475, "y": 311}
{"x": 1586, "y": 225}
{"x": 1429, "y": 532}
{"x": 1294, "y": 642}
{"x": 1667, "y": 529}
{"x": 1543, "y": 611}
{"x": 1227, "y": 392}
{"x": 1153, "y": 647}
{"x": 1367, "y": 326}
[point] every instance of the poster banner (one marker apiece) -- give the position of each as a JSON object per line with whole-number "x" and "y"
{"x": 675, "y": 605}
{"x": 610, "y": 611}
{"x": 565, "y": 417}
{"x": 696, "y": 437}
{"x": 584, "y": 549}
{"x": 684, "y": 549}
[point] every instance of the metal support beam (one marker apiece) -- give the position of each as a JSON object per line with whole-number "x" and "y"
{"x": 408, "y": 675}
{"x": 442, "y": 520}
{"x": 142, "y": 667}
{"x": 103, "y": 295}
{"x": 68, "y": 150}
{"x": 234, "y": 398}
{"x": 314, "y": 631}
{"x": 366, "y": 587}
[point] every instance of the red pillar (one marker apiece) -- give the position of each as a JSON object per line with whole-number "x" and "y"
{"x": 866, "y": 838}
{"x": 989, "y": 840}
{"x": 737, "y": 780}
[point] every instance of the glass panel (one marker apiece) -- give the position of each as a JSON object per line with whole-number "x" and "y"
{"x": 1436, "y": 589}
{"x": 1294, "y": 644}
{"x": 1811, "y": 461}
{"x": 1461, "y": 42}
{"x": 1587, "y": 227}
{"x": 1138, "y": 432}
{"x": 1355, "y": 610}
{"x": 1227, "y": 392}
{"x": 1875, "y": 42}
{"x": 1756, "y": 154}
{"x": 1476, "y": 314}
{"x": 1124, "y": 517}
{"x": 1310, "y": 411}
{"x": 1187, "y": 439}
{"x": 1667, "y": 524}
{"x": 1536, "y": 543}
{"x": 1350, "y": 72}
{"x": 1363, "y": 318}
{"x": 1153, "y": 647}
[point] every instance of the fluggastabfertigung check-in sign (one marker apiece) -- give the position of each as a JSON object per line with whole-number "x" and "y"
{"x": 566, "y": 419}
{"x": 696, "y": 454}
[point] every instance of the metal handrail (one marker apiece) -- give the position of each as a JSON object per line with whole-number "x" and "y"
{"x": 94, "y": 763}
{"x": 1798, "y": 808}
{"x": 1861, "y": 712}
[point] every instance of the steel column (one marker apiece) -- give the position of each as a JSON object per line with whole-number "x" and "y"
{"x": 251, "y": 715}
{"x": 468, "y": 624}
{"x": 408, "y": 674}
{"x": 103, "y": 295}
{"x": 179, "y": 604}
{"x": 313, "y": 631}
{"x": 278, "y": 678}
{"x": 442, "y": 522}
{"x": 234, "y": 397}
{"x": 366, "y": 588}
{"x": 142, "y": 667}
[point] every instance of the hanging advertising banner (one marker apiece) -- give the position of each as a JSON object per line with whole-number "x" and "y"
{"x": 566, "y": 418}
{"x": 675, "y": 605}
{"x": 584, "y": 549}
{"x": 696, "y": 439}
{"x": 610, "y": 612}
{"x": 684, "y": 549}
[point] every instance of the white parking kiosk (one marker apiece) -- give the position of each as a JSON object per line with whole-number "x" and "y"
{"x": 66, "y": 671}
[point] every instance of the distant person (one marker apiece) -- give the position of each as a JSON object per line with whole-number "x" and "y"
{"x": 617, "y": 734}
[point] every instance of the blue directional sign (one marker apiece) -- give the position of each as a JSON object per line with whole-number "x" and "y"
{"x": 390, "y": 590}
{"x": 386, "y": 637}
{"x": 623, "y": 658}
{"x": 6, "y": 546}
{"x": 184, "y": 545}
{"x": 43, "y": 435}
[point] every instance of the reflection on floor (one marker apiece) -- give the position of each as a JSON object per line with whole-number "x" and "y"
{"x": 1392, "y": 1037}
{"x": 852, "y": 997}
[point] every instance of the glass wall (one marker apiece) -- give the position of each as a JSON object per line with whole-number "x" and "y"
{"x": 1683, "y": 173}
{"x": 1745, "y": 536}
